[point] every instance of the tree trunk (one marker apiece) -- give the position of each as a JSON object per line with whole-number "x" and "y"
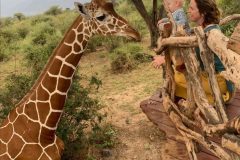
{"x": 154, "y": 13}
{"x": 151, "y": 24}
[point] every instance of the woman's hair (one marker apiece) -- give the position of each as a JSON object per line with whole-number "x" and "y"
{"x": 209, "y": 9}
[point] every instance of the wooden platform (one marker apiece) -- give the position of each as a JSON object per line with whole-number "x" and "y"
{"x": 155, "y": 112}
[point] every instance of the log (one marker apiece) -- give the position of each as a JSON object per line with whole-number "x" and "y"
{"x": 192, "y": 66}
{"x": 208, "y": 62}
{"x": 229, "y": 18}
{"x": 231, "y": 142}
{"x": 234, "y": 42}
{"x": 181, "y": 42}
{"x": 189, "y": 135}
{"x": 170, "y": 17}
{"x": 217, "y": 42}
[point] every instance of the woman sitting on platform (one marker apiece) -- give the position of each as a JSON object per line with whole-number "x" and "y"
{"x": 206, "y": 14}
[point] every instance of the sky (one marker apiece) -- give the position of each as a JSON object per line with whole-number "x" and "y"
{"x": 32, "y": 7}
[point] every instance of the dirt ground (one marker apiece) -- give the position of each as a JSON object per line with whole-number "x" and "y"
{"x": 121, "y": 94}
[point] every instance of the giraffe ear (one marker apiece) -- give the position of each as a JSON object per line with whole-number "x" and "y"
{"x": 81, "y": 9}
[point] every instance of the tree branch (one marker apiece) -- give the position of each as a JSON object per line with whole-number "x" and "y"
{"x": 217, "y": 42}
{"x": 208, "y": 61}
{"x": 229, "y": 18}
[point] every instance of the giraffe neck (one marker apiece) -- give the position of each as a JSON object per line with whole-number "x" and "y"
{"x": 44, "y": 104}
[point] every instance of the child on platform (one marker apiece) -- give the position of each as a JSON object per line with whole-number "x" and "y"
{"x": 179, "y": 16}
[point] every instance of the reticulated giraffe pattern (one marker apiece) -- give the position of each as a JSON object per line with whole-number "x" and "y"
{"x": 28, "y": 133}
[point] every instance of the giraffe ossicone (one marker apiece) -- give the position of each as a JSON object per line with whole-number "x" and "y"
{"x": 28, "y": 133}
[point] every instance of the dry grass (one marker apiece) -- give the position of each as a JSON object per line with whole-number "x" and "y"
{"x": 121, "y": 95}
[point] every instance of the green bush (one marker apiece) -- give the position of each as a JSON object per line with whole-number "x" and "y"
{"x": 22, "y": 31}
{"x": 16, "y": 87}
{"x": 43, "y": 32}
{"x": 44, "y": 41}
{"x": 61, "y": 25}
{"x": 95, "y": 42}
{"x": 6, "y": 21}
{"x": 39, "y": 19}
{"x": 104, "y": 137}
{"x": 19, "y": 16}
{"x": 80, "y": 109}
{"x": 3, "y": 45}
{"x": 3, "y": 56}
{"x": 229, "y": 28}
{"x": 113, "y": 42}
{"x": 37, "y": 57}
{"x": 229, "y": 7}
{"x": 127, "y": 57}
{"x": 54, "y": 10}
{"x": 121, "y": 63}
{"x": 9, "y": 35}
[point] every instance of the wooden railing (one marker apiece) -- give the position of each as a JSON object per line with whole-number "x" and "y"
{"x": 211, "y": 120}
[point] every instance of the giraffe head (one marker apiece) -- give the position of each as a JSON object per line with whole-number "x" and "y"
{"x": 104, "y": 20}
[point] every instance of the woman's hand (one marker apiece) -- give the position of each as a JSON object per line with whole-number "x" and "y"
{"x": 158, "y": 61}
{"x": 159, "y": 22}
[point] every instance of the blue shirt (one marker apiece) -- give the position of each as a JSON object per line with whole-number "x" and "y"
{"x": 180, "y": 18}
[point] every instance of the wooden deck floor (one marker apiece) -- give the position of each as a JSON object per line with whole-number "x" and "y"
{"x": 155, "y": 112}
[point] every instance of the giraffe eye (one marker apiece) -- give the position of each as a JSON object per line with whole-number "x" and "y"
{"x": 101, "y": 18}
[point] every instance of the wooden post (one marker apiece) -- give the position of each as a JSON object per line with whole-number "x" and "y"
{"x": 217, "y": 42}
{"x": 231, "y": 142}
{"x": 208, "y": 61}
{"x": 234, "y": 42}
{"x": 189, "y": 134}
{"x": 230, "y": 18}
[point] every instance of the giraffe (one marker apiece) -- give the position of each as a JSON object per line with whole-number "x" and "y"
{"x": 28, "y": 133}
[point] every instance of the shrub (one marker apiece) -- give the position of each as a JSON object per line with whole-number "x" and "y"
{"x": 113, "y": 43}
{"x": 54, "y": 10}
{"x": 36, "y": 58}
{"x": 22, "y": 31}
{"x": 80, "y": 109}
{"x": 16, "y": 87}
{"x": 43, "y": 32}
{"x": 229, "y": 7}
{"x": 121, "y": 63}
{"x": 39, "y": 19}
{"x": 8, "y": 35}
{"x": 2, "y": 56}
{"x": 19, "y": 16}
{"x": 95, "y": 42}
{"x": 3, "y": 44}
{"x": 6, "y": 21}
{"x": 104, "y": 137}
{"x": 127, "y": 57}
{"x": 110, "y": 43}
{"x": 229, "y": 28}
{"x": 44, "y": 41}
{"x": 61, "y": 25}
